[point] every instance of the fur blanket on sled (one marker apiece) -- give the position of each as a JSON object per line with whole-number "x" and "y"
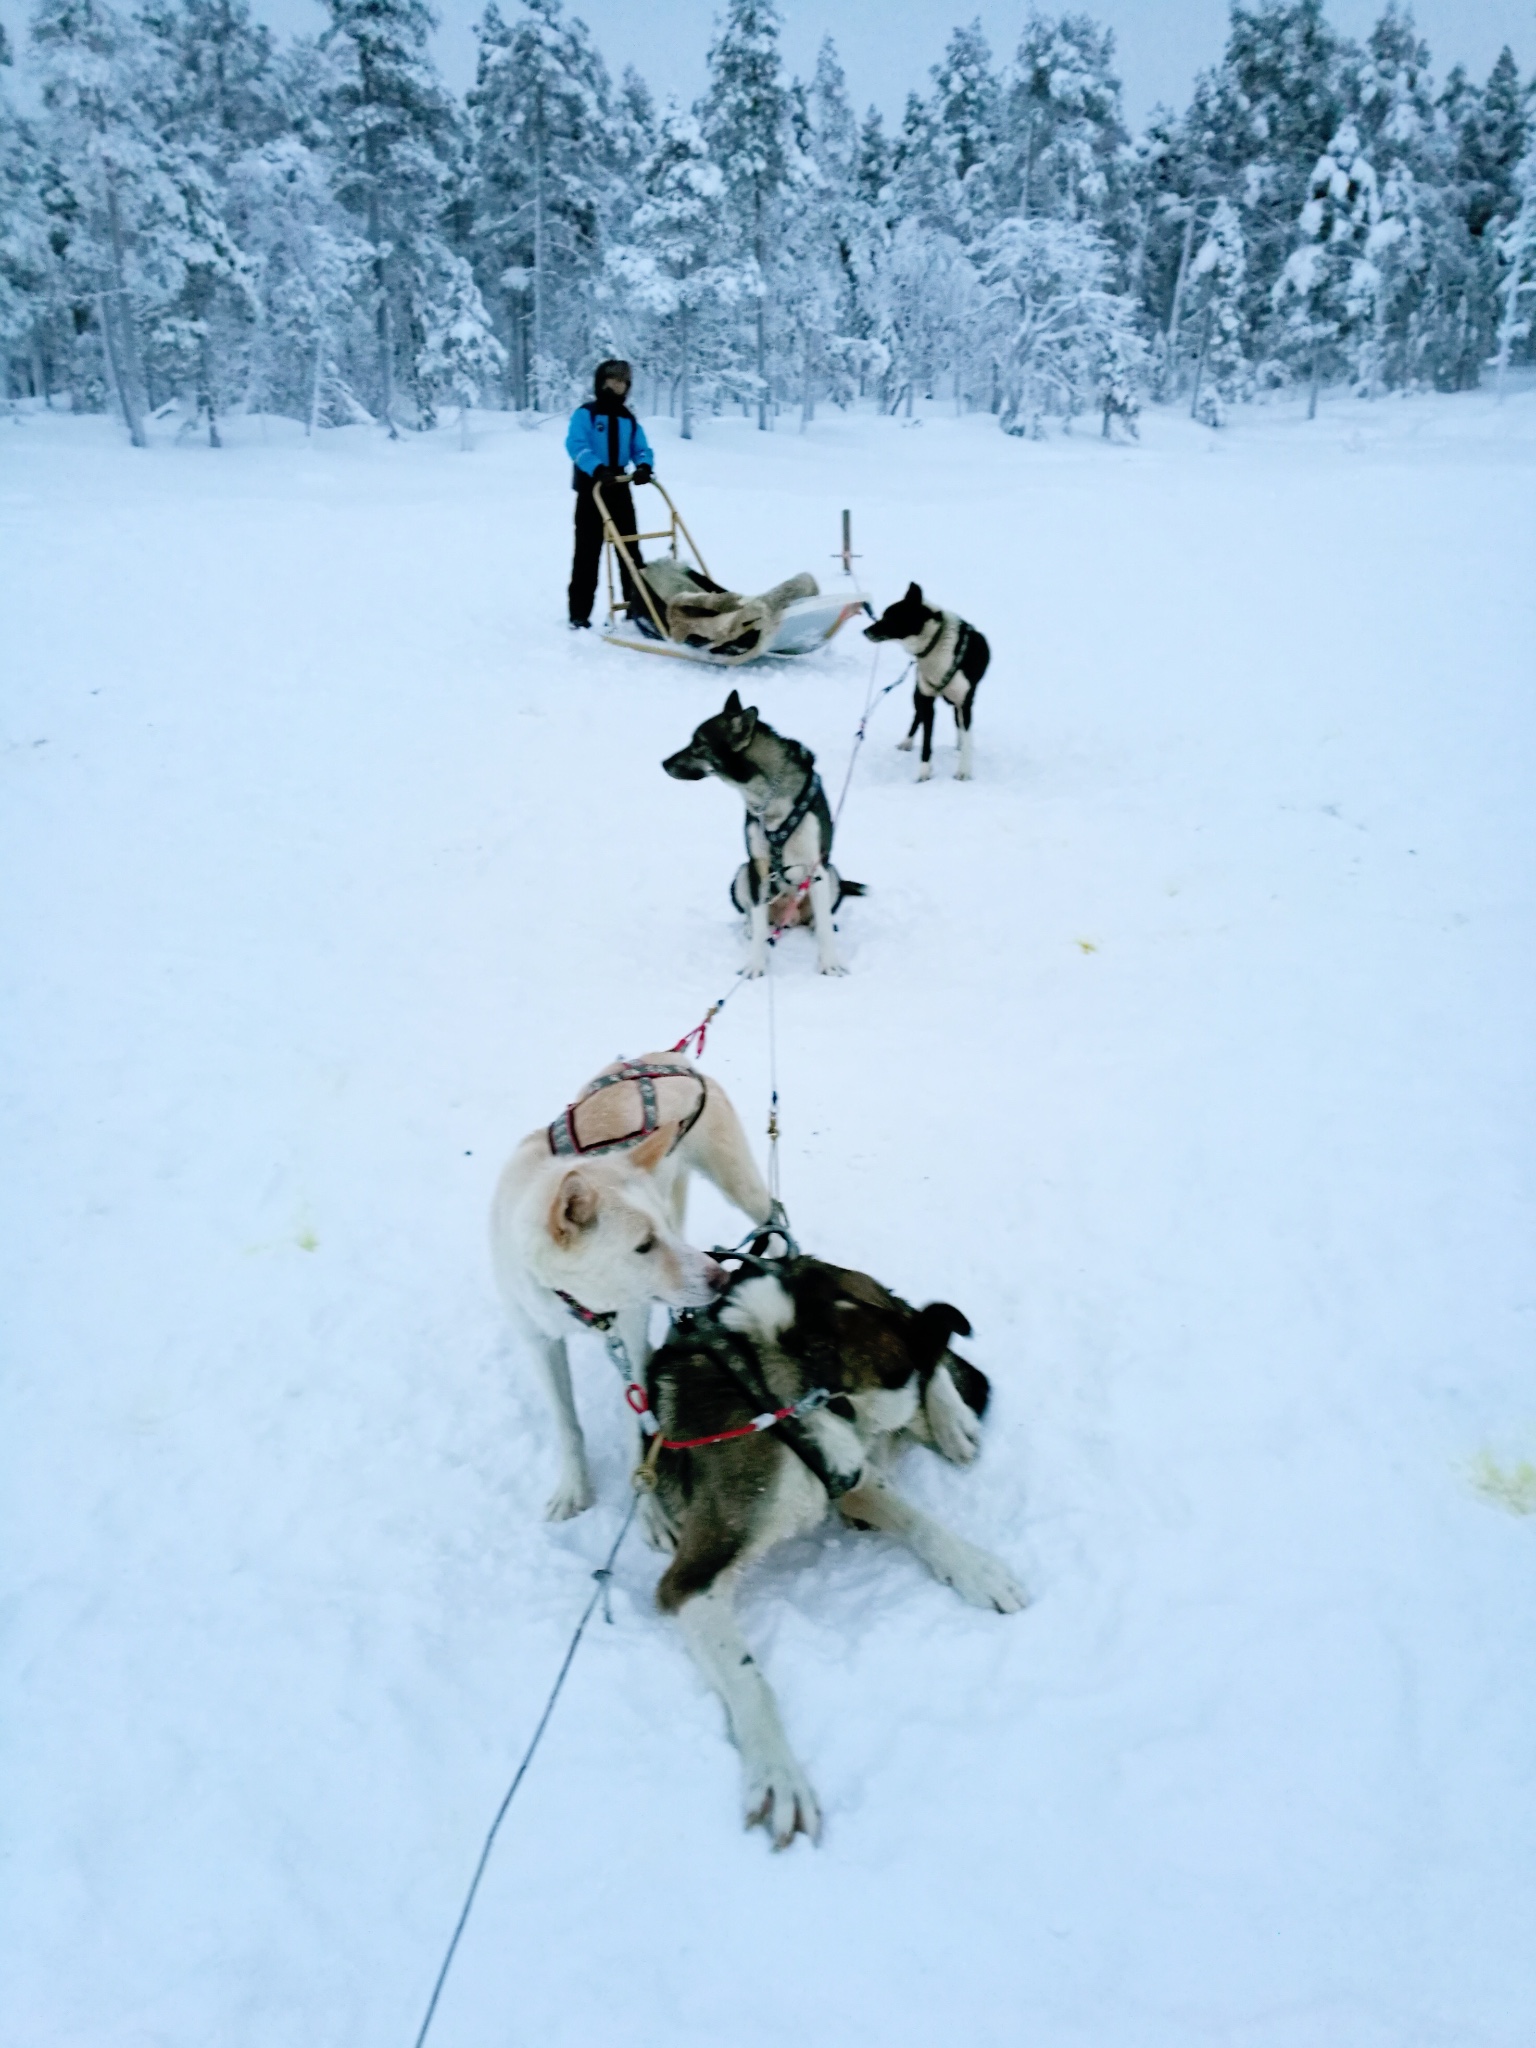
{"x": 701, "y": 614}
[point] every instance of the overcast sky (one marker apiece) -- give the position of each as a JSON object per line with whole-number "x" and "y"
{"x": 887, "y": 48}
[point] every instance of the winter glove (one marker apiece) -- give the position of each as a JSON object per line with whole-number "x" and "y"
{"x": 642, "y": 473}
{"x": 602, "y": 474}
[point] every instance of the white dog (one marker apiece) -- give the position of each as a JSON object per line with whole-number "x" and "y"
{"x": 586, "y": 1226}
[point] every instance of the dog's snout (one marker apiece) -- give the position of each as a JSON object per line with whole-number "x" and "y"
{"x": 714, "y": 1273}
{"x": 683, "y": 767}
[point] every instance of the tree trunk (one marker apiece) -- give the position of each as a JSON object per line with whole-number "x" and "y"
{"x": 1205, "y": 342}
{"x": 205, "y": 388}
{"x": 686, "y": 337}
{"x": 807, "y": 390}
{"x": 314, "y": 387}
{"x": 117, "y": 326}
{"x": 762, "y": 311}
{"x": 538, "y": 261}
{"x": 1178, "y": 295}
{"x": 384, "y": 321}
{"x": 1317, "y": 357}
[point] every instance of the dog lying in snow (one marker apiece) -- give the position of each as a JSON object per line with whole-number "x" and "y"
{"x": 951, "y": 659}
{"x": 788, "y": 827}
{"x": 864, "y": 1371}
{"x": 588, "y": 1217}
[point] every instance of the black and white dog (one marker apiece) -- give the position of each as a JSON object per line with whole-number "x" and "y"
{"x": 788, "y": 827}
{"x": 951, "y": 659}
{"x": 850, "y": 1372}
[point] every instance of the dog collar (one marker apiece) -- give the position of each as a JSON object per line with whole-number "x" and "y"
{"x": 938, "y": 635}
{"x": 592, "y": 1318}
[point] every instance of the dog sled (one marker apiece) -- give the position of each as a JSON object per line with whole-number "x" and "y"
{"x": 681, "y": 611}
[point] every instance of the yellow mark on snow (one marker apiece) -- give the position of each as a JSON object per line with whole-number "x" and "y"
{"x": 1088, "y": 946}
{"x": 307, "y": 1240}
{"x": 1511, "y": 1487}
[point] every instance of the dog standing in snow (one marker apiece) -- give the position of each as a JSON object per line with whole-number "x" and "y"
{"x": 851, "y": 1371}
{"x": 788, "y": 827}
{"x": 951, "y": 659}
{"x": 587, "y": 1222}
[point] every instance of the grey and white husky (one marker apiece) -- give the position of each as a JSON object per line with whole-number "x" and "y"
{"x": 851, "y": 1372}
{"x": 788, "y": 827}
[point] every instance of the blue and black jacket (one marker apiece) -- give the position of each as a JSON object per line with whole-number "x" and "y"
{"x": 604, "y": 435}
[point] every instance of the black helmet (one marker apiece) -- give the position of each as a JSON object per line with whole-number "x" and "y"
{"x": 613, "y": 366}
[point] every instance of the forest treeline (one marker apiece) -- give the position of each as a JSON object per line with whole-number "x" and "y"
{"x": 193, "y": 217}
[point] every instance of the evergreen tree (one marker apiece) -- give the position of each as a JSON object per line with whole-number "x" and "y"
{"x": 26, "y": 257}
{"x": 113, "y": 203}
{"x": 544, "y": 128}
{"x": 1491, "y": 129}
{"x": 309, "y": 272}
{"x": 967, "y": 119}
{"x": 1068, "y": 151}
{"x": 676, "y": 266}
{"x": 396, "y": 138}
{"x": 1517, "y": 251}
{"x": 1327, "y": 291}
{"x": 1217, "y": 277}
{"x": 1262, "y": 121}
{"x": 746, "y": 123}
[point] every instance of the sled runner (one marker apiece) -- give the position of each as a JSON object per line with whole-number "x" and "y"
{"x": 685, "y": 613}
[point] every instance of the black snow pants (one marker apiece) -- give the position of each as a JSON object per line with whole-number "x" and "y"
{"x": 589, "y": 543}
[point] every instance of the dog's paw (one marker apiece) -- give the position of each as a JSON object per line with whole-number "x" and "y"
{"x": 956, "y": 1431}
{"x": 905, "y": 746}
{"x": 980, "y": 1578}
{"x": 925, "y": 771}
{"x": 573, "y": 1496}
{"x": 833, "y": 967}
{"x": 962, "y": 775}
{"x": 779, "y": 1798}
{"x": 754, "y": 970}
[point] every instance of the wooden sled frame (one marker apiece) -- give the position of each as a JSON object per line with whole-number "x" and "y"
{"x": 616, "y": 544}
{"x": 619, "y": 544}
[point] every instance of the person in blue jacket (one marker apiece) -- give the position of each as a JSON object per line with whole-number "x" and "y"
{"x": 603, "y": 439}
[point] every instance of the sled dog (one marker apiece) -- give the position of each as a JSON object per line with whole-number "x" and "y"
{"x": 852, "y": 1372}
{"x": 587, "y": 1223}
{"x": 951, "y": 659}
{"x": 788, "y": 827}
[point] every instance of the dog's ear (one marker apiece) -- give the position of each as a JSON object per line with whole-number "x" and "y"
{"x": 574, "y": 1208}
{"x": 732, "y": 706}
{"x": 651, "y": 1151}
{"x": 936, "y": 1324}
{"x": 742, "y": 722}
{"x": 914, "y": 593}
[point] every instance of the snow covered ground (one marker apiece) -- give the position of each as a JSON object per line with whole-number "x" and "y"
{"x": 1187, "y": 1049}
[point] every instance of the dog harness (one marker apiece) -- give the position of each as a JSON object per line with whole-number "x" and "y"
{"x": 779, "y": 836}
{"x": 963, "y": 640}
{"x": 563, "y": 1136}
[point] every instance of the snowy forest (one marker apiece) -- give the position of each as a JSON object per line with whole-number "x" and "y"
{"x": 197, "y": 220}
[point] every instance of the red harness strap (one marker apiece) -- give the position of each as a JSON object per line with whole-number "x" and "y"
{"x": 754, "y": 1428}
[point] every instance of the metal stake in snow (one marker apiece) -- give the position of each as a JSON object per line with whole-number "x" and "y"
{"x": 845, "y": 553}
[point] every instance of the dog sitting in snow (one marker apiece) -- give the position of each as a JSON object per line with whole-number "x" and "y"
{"x": 788, "y": 828}
{"x": 587, "y": 1223}
{"x": 951, "y": 659}
{"x": 851, "y": 1371}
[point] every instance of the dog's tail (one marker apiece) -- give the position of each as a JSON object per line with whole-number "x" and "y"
{"x": 855, "y": 888}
